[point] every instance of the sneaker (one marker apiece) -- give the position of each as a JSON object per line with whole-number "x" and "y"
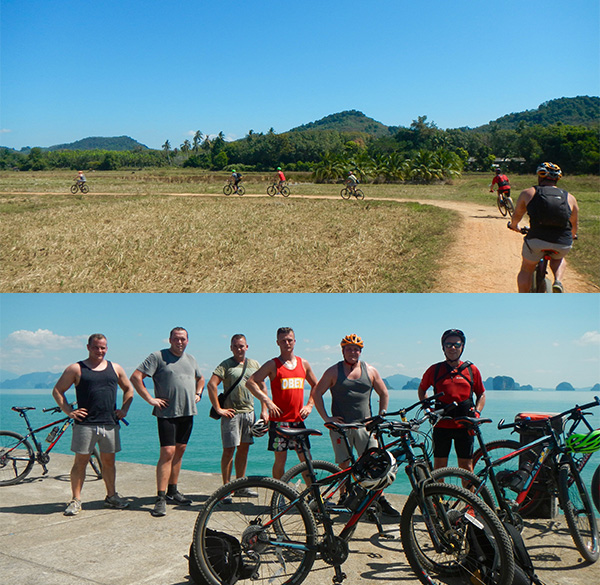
{"x": 73, "y": 507}
{"x": 557, "y": 287}
{"x": 178, "y": 498}
{"x": 245, "y": 493}
{"x": 115, "y": 501}
{"x": 160, "y": 507}
{"x": 387, "y": 509}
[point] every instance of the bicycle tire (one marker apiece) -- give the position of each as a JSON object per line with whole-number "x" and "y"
{"x": 535, "y": 498}
{"x": 227, "y": 190}
{"x": 453, "y": 511}
{"x": 241, "y": 190}
{"x": 539, "y": 282}
{"x": 359, "y": 194}
{"x": 96, "y": 463}
{"x": 345, "y": 194}
{"x": 84, "y": 189}
{"x": 595, "y": 489}
{"x": 271, "y": 190}
{"x": 579, "y": 514}
{"x": 74, "y": 189}
{"x": 501, "y": 206}
{"x": 467, "y": 480}
{"x": 16, "y": 458}
{"x": 265, "y": 558}
{"x": 285, "y": 191}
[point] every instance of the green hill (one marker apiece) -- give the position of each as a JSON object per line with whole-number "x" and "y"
{"x": 102, "y": 143}
{"x": 347, "y": 121}
{"x": 577, "y": 111}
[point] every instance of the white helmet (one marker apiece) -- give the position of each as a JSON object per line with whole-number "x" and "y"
{"x": 376, "y": 469}
{"x": 259, "y": 428}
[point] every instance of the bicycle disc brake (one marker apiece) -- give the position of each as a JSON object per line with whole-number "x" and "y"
{"x": 334, "y": 550}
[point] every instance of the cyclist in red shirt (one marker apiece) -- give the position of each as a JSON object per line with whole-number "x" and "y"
{"x": 461, "y": 383}
{"x": 503, "y": 184}
{"x": 287, "y": 374}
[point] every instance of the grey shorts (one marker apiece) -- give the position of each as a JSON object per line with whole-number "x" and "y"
{"x": 359, "y": 439}
{"x": 85, "y": 438}
{"x": 236, "y": 430}
{"x": 534, "y": 250}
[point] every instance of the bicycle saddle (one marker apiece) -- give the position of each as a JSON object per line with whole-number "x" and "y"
{"x": 343, "y": 426}
{"x": 471, "y": 420}
{"x": 22, "y": 408}
{"x": 292, "y": 433}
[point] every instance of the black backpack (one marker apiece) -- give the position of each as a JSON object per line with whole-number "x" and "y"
{"x": 224, "y": 554}
{"x": 462, "y": 408}
{"x": 549, "y": 207}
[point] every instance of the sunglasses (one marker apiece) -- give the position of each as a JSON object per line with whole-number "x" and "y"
{"x": 457, "y": 345}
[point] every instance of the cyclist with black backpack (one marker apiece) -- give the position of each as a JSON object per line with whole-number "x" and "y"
{"x": 553, "y": 217}
{"x": 460, "y": 382}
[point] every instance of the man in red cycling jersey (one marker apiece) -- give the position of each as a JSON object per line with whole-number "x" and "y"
{"x": 503, "y": 184}
{"x": 280, "y": 178}
{"x": 553, "y": 219}
{"x": 461, "y": 383}
{"x": 287, "y": 374}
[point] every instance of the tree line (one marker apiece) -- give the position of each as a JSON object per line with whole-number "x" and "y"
{"x": 420, "y": 153}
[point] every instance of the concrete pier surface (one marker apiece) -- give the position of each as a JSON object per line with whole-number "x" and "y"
{"x": 100, "y": 546}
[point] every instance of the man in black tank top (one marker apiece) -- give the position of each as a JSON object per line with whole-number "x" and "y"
{"x": 553, "y": 218}
{"x": 96, "y": 417}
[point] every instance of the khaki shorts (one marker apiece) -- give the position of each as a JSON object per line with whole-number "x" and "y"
{"x": 534, "y": 250}
{"x": 359, "y": 439}
{"x": 236, "y": 430}
{"x": 86, "y": 437}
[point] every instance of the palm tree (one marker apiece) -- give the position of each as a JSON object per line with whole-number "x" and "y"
{"x": 196, "y": 141}
{"x": 167, "y": 150}
{"x": 186, "y": 146}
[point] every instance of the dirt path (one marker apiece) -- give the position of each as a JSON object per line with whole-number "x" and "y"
{"x": 485, "y": 258}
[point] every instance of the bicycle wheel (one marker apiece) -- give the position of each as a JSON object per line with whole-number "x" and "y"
{"x": 263, "y": 549}
{"x": 497, "y": 449}
{"x": 539, "y": 283}
{"x": 85, "y": 188}
{"x": 510, "y": 206}
{"x": 579, "y": 514}
{"x": 501, "y": 206}
{"x": 596, "y": 488}
{"x": 241, "y": 190}
{"x": 359, "y": 194}
{"x": 448, "y": 533}
{"x": 271, "y": 190}
{"x": 285, "y": 191}
{"x": 345, "y": 194}
{"x": 74, "y": 189}
{"x": 465, "y": 479}
{"x": 16, "y": 458}
{"x": 227, "y": 190}
{"x": 96, "y": 463}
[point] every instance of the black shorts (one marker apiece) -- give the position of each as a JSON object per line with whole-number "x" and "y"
{"x": 279, "y": 443}
{"x": 175, "y": 431}
{"x": 442, "y": 442}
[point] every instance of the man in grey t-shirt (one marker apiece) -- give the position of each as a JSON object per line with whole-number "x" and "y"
{"x": 178, "y": 385}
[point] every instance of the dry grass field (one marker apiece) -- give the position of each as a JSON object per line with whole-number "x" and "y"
{"x": 132, "y": 233}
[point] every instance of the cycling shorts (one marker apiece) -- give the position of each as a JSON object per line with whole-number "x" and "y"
{"x": 175, "y": 431}
{"x": 442, "y": 441}
{"x": 534, "y": 250}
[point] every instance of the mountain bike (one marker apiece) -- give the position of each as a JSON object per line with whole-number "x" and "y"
{"x": 347, "y": 192}
{"x": 505, "y": 205}
{"x": 17, "y": 456}
{"x": 231, "y": 188}
{"x": 83, "y": 187}
{"x": 276, "y": 536}
{"x": 275, "y": 188}
{"x": 547, "y": 458}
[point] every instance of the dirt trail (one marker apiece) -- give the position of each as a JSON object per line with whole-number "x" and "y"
{"x": 485, "y": 258}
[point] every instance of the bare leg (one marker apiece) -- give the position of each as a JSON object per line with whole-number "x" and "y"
{"x": 525, "y": 276}
{"x": 241, "y": 459}
{"x": 279, "y": 465}
{"x": 227, "y": 463}
{"x": 109, "y": 473}
{"x": 78, "y": 474}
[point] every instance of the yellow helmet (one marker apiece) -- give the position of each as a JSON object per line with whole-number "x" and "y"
{"x": 352, "y": 339}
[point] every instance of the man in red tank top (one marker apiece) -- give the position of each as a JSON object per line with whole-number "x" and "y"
{"x": 287, "y": 374}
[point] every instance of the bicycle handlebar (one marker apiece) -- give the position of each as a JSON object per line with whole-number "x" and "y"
{"x": 425, "y": 401}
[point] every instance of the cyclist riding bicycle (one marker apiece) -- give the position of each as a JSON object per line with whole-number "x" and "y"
{"x": 352, "y": 182}
{"x": 80, "y": 179}
{"x": 280, "y": 177}
{"x": 553, "y": 219}
{"x": 236, "y": 178}
{"x": 503, "y": 184}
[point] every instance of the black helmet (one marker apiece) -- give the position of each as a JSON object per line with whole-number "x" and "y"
{"x": 454, "y": 333}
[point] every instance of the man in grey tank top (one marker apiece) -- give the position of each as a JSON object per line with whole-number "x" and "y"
{"x": 351, "y": 383}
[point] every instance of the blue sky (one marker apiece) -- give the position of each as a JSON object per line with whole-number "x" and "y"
{"x": 156, "y": 70}
{"x": 537, "y": 339}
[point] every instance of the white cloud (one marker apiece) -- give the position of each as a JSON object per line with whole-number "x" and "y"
{"x": 589, "y": 338}
{"x": 42, "y": 339}
{"x": 5, "y": 131}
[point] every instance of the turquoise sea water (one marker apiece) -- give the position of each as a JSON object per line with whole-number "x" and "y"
{"x": 140, "y": 441}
